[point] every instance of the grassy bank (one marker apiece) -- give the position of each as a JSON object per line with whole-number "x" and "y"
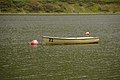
{"x": 59, "y": 7}
{"x": 48, "y": 14}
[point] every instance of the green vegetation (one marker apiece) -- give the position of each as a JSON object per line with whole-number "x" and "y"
{"x": 60, "y": 6}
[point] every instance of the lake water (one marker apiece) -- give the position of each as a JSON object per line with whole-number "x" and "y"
{"x": 21, "y": 61}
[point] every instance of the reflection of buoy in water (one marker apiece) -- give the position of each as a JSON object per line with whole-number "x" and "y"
{"x": 87, "y": 33}
{"x": 34, "y": 42}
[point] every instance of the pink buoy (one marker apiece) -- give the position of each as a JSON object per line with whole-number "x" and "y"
{"x": 34, "y": 42}
{"x": 87, "y": 33}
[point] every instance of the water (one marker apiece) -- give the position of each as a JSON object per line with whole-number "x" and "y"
{"x": 20, "y": 61}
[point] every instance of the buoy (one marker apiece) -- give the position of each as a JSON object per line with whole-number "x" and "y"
{"x": 87, "y": 33}
{"x": 34, "y": 42}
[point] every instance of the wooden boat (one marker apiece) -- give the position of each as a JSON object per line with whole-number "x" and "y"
{"x": 70, "y": 40}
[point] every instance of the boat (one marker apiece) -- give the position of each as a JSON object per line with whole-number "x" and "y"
{"x": 69, "y": 40}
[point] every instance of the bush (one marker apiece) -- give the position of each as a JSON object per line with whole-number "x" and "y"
{"x": 71, "y": 1}
{"x": 52, "y": 8}
{"x": 104, "y": 9}
{"x": 34, "y": 6}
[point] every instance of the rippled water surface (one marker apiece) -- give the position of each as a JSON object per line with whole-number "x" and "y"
{"x": 20, "y": 61}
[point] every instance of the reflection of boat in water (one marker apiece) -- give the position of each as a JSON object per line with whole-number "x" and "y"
{"x": 70, "y": 40}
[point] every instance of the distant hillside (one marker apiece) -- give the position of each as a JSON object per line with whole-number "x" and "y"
{"x": 59, "y": 6}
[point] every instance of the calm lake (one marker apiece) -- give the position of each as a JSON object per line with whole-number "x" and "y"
{"x": 21, "y": 61}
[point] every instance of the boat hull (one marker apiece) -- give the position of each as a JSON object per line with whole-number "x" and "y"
{"x": 70, "y": 40}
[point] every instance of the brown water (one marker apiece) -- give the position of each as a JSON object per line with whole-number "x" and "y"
{"x": 20, "y": 61}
